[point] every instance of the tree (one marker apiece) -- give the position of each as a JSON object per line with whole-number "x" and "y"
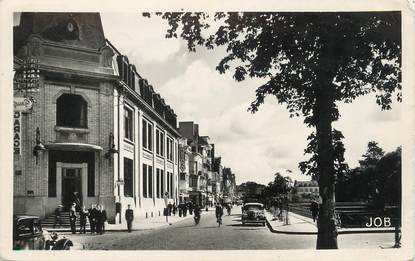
{"x": 373, "y": 154}
{"x": 311, "y": 61}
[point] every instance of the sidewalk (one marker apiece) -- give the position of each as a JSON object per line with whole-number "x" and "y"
{"x": 301, "y": 225}
{"x": 139, "y": 223}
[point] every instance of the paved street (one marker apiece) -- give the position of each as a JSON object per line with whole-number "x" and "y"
{"x": 207, "y": 235}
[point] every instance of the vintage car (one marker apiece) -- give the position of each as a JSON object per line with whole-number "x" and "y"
{"x": 29, "y": 235}
{"x": 253, "y": 213}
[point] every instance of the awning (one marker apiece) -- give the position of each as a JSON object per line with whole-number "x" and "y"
{"x": 72, "y": 146}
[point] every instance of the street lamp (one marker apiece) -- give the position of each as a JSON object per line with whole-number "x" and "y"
{"x": 39, "y": 147}
{"x": 111, "y": 146}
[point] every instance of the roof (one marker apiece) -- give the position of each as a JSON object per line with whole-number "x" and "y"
{"x": 23, "y": 216}
{"x": 254, "y": 204}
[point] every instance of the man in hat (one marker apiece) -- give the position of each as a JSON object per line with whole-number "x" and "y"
{"x": 58, "y": 215}
{"x": 129, "y": 216}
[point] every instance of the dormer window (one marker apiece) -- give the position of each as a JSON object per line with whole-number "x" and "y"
{"x": 71, "y": 111}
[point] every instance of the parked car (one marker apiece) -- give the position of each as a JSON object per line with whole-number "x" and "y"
{"x": 253, "y": 213}
{"x": 29, "y": 235}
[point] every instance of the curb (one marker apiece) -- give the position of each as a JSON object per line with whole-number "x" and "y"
{"x": 340, "y": 231}
{"x": 124, "y": 229}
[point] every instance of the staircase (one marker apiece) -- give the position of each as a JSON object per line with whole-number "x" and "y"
{"x": 50, "y": 220}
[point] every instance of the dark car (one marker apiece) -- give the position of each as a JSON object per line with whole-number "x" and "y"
{"x": 253, "y": 213}
{"x": 29, "y": 235}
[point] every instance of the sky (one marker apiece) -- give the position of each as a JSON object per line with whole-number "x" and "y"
{"x": 255, "y": 146}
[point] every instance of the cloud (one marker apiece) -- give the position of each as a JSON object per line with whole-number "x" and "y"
{"x": 141, "y": 39}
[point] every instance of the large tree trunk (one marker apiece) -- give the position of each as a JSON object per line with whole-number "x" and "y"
{"x": 327, "y": 232}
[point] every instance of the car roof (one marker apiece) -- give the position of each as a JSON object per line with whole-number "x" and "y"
{"x": 19, "y": 217}
{"x": 254, "y": 204}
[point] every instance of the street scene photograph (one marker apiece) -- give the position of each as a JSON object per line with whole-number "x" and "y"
{"x": 207, "y": 131}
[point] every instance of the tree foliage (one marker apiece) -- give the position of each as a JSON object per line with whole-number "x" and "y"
{"x": 379, "y": 181}
{"x": 355, "y": 53}
{"x": 373, "y": 154}
{"x": 309, "y": 167}
{"x": 281, "y": 185}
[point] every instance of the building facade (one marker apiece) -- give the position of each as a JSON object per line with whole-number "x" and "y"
{"x": 64, "y": 135}
{"x": 97, "y": 130}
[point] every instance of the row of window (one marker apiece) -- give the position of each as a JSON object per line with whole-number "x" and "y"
{"x": 161, "y": 179}
{"x": 307, "y": 189}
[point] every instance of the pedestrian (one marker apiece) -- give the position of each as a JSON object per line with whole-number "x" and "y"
{"x": 103, "y": 218}
{"x": 314, "y": 209}
{"x": 72, "y": 218}
{"x": 83, "y": 214}
{"x": 92, "y": 211}
{"x": 219, "y": 213}
{"x": 169, "y": 208}
{"x": 129, "y": 217}
{"x": 190, "y": 207}
{"x": 184, "y": 210}
{"x": 99, "y": 219}
{"x": 180, "y": 209}
{"x": 174, "y": 209}
{"x": 58, "y": 216}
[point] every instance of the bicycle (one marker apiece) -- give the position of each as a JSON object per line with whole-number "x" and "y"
{"x": 219, "y": 220}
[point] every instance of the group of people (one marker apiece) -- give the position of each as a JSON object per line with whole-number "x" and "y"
{"x": 96, "y": 215}
{"x": 281, "y": 209}
{"x": 184, "y": 207}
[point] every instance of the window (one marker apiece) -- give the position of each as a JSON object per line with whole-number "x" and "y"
{"x": 182, "y": 176}
{"x": 147, "y": 181}
{"x": 159, "y": 183}
{"x": 159, "y": 142}
{"x": 162, "y": 183}
{"x": 193, "y": 181}
{"x": 150, "y": 181}
{"x": 128, "y": 124}
{"x": 169, "y": 149}
{"x": 147, "y": 135}
{"x": 71, "y": 111}
{"x": 193, "y": 167}
{"x": 128, "y": 177}
{"x": 170, "y": 185}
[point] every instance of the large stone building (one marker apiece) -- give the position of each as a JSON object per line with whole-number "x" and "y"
{"x": 97, "y": 131}
{"x": 65, "y": 134}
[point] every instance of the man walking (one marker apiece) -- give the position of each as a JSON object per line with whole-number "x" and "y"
{"x": 219, "y": 213}
{"x": 58, "y": 216}
{"x": 72, "y": 218}
{"x": 314, "y": 209}
{"x": 129, "y": 217}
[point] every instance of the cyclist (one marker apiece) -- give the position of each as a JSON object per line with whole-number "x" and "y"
{"x": 228, "y": 209}
{"x": 219, "y": 213}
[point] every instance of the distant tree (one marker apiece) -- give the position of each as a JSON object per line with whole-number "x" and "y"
{"x": 279, "y": 186}
{"x": 372, "y": 156}
{"x": 388, "y": 178}
{"x": 311, "y": 61}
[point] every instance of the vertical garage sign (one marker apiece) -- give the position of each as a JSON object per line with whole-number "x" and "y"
{"x": 17, "y": 134}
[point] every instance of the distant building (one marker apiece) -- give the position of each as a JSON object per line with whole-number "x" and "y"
{"x": 305, "y": 190}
